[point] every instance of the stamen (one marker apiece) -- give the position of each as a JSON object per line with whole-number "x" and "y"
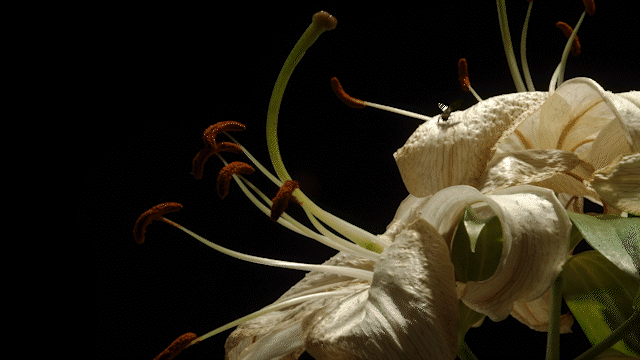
{"x": 463, "y": 78}
{"x": 197, "y": 164}
{"x": 274, "y": 307}
{"x": 344, "y": 97}
{"x": 212, "y": 147}
{"x": 177, "y": 346}
{"x": 354, "y": 103}
{"x": 567, "y": 31}
{"x": 281, "y": 200}
{"x": 558, "y": 74}
{"x": 589, "y": 6}
{"x": 224, "y": 177}
{"x": 290, "y": 223}
{"x": 155, "y": 213}
{"x": 209, "y": 135}
{"x": 361, "y": 274}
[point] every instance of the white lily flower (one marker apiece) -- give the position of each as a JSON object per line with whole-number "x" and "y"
{"x": 395, "y": 296}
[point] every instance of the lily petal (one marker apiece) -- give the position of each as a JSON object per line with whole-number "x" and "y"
{"x": 439, "y": 155}
{"x": 535, "y": 230}
{"x": 553, "y": 169}
{"x": 262, "y": 337}
{"x": 581, "y": 117}
{"x": 535, "y": 314}
{"x": 619, "y": 184}
{"x": 410, "y": 311}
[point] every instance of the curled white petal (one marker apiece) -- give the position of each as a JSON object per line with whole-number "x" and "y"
{"x": 535, "y": 230}
{"x": 619, "y": 184}
{"x": 410, "y": 311}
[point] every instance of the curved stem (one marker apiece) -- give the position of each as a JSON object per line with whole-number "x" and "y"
{"x": 508, "y": 46}
{"x": 614, "y": 337}
{"x": 553, "y": 334}
{"x": 523, "y": 51}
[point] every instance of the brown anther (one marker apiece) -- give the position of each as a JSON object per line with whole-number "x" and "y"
{"x": 344, "y": 97}
{"x": 281, "y": 200}
{"x": 209, "y": 135}
{"x": 463, "y": 74}
{"x": 197, "y": 164}
{"x": 176, "y": 347}
{"x": 155, "y": 213}
{"x": 590, "y": 6}
{"x": 226, "y": 173}
{"x": 567, "y": 31}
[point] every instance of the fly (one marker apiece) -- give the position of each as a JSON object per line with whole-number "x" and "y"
{"x": 447, "y": 109}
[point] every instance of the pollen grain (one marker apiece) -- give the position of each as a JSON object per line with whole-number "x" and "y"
{"x": 281, "y": 200}
{"x": 227, "y": 172}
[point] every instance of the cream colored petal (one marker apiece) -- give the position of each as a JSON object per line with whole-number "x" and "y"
{"x": 553, "y": 169}
{"x": 619, "y": 184}
{"x": 410, "y": 311}
{"x": 535, "y": 314}
{"x": 536, "y": 232}
{"x": 580, "y": 117}
{"x": 263, "y": 336}
{"x": 442, "y": 154}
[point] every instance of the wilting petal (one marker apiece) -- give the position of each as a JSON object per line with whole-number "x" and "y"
{"x": 410, "y": 311}
{"x": 619, "y": 184}
{"x": 438, "y": 155}
{"x": 535, "y": 314}
{"x": 581, "y": 117}
{"x": 535, "y": 229}
{"x": 280, "y": 332}
{"x": 546, "y": 168}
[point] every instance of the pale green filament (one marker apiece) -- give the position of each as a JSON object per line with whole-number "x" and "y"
{"x": 523, "y": 50}
{"x": 338, "y": 270}
{"x": 366, "y": 248}
{"x": 558, "y": 74}
{"x": 508, "y": 47}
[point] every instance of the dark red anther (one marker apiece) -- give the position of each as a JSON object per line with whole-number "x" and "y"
{"x": 344, "y": 97}
{"x": 463, "y": 74}
{"x": 176, "y": 347}
{"x": 590, "y": 6}
{"x": 211, "y": 147}
{"x": 209, "y": 135}
{"x": 567, "y": 31}
{"x": 227, "y": 172}
{"x": 155, "y": 213}
{"x": 281, "y": 200}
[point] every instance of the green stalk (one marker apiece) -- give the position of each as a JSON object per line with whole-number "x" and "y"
{"x": 553, "y": 334}
{"x": 632, "y": 324}
{"x": 508, "y": 46}
{"x": 322, "y": 21}
{"x": 465, "y": 353}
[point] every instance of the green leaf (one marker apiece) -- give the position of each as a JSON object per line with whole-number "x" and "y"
{"x": 617, "y": 238}
{"x": 477, "y": 247}
{"x": 601, "y": 298}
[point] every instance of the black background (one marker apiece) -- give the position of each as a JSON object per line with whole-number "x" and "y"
{"x": 166, "y": 72}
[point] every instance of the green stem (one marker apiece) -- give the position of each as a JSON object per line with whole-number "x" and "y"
{"x": 553, "y": 334}
{"x": 508, "y": 46}
{"x": 465, "y": 353}
{"x": 631, "y": 324}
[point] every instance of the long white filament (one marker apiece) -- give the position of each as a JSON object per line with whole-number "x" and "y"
{"x": 558, "y": 75}
{"x": 338, "y": 270}
{"x": 268, "y": 309}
